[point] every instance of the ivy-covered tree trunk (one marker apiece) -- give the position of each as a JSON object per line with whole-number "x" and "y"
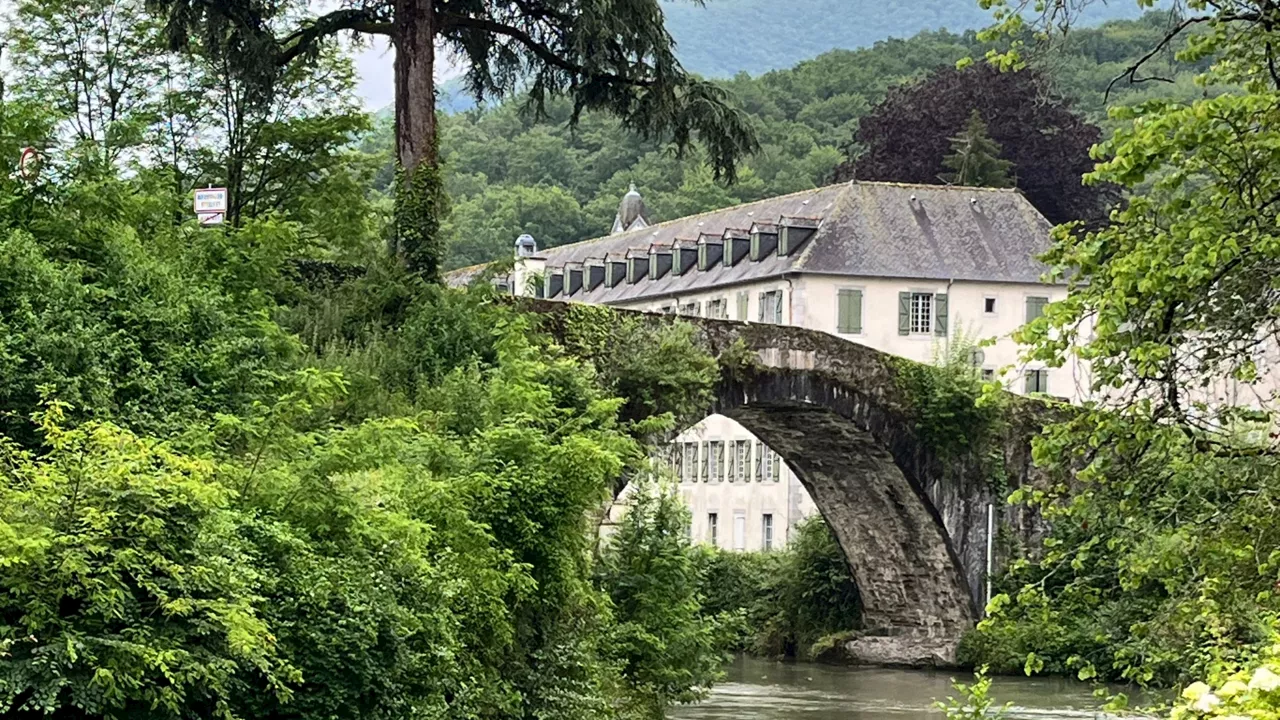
{"x": 419, "y": 189}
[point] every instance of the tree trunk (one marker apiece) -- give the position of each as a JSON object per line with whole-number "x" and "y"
{"x": 419, "y": 192}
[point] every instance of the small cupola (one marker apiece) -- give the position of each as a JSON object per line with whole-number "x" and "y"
{"x": 684, "y": 256}
{"x": 710, "y": 251}
{"x": 526, "y": 246}
{"x": 764, "y": 240}
{"x": 794, "y": 232}
{"x": 631, "y": 213}
{"x": 660, "y": 261}
{"x": 737, "y": 244}
{"x": 637, "y": 265}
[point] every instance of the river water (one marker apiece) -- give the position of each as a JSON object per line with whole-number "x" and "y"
{"x": 762, "y": 690}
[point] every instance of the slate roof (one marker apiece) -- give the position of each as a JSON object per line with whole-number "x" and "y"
{"x": 864, "y": 229}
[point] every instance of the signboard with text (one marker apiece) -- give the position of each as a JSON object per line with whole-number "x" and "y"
{"x": 211, "y": 205}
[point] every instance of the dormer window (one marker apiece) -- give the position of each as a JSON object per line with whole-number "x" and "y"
{"x": 615, "y": 272}
{"x": 637, "y": 268}
{"x": 595, "y": 277}
{"x": 683, "y": 259}
{"x": 660, "y": 264}
{"x": 709, "y": 255}
{"x": 575, "y": 282}
{"x": 555, "y": 284}
{"x": 793, "y": 234}
{"x": 764, "y": 241}
{"x": 737, "y": 244}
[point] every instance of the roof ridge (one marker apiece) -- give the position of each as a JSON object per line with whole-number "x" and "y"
{"x": 705, "y": 213}
{"x": 927, "y": 186}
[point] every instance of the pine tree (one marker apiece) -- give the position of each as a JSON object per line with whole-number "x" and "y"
{"x": 613, "y": 55}
{"x": 975, "y": 158}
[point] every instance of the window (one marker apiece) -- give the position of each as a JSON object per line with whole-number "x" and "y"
{"x": 741, "y": 460}
{"x": 739, "y": 530}
{"x": 920, "y": 313}
{"x": 689, "y": 463}
{"x": 667, "y": 309}
{"x": 718, "y": 309}
{"x": 713, "y": 528}
{"x": 988, "y": 374}
{"x": 744, "y": 300}
{"x": 766, "y": 532}
{"x": 771, "y": 307}
{"x": 715, "y": 469}
{"x": 772, "y": 466}
{"x": 849, "y": 312}
{"x": 1037, "y": 381}
{"x": 989, "y": 305}
{"x": 1035, "y": 307}
{"x": 691, "y": 309}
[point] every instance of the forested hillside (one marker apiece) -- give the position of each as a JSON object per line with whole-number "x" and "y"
{"x": 726, "y": 37}
{"x": 509, "y": 173}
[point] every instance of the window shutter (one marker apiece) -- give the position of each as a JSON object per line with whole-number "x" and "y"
{"x": 706, "y": 462}
{"x": 904, "y": 313}
{"x": 744, "y": 300}
{"x": 850, "y": 312}
{"x": 1031, "y": 382}
{"x": 1035, "y": 307}
{"x": 777, "y": 307}
{"x": 940, "y": 315}
{"x": 758, "y": 475}
{"x": 762, "y": 304}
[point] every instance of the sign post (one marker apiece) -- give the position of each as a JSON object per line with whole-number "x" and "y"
{"x": 211, "y": 205}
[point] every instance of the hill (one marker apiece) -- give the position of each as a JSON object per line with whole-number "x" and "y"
{"x": 726, "y": 37}
{"x": 508, "y": 173}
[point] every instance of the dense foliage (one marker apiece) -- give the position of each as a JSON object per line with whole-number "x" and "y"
{"x": 1161, "y": 566}
{"x": 909, "y": 137}
{"x": 239, "y": 479}
{"x": 788, "y": 602}
{"x": 509, "y": 173}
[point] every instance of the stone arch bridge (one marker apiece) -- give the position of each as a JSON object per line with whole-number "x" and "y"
{"x": 912, "y": 521}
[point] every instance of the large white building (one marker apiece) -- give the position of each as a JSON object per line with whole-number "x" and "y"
{"x": 906, "y": 269}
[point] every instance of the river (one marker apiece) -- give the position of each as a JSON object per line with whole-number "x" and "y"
{"x": 762, "y": 690}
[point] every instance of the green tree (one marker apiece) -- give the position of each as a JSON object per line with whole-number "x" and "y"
{"x": 975, "y": 158}
{"x": 1160, "y": 566}
{"x": 615, "y": 56}
{"x": 669, "y": 650}
{"x": 129, "y": 588}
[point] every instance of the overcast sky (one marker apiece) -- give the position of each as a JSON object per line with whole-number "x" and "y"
{"x": 374, "y": 66}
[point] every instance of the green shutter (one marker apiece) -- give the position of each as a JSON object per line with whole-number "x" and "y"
{"x": 940, "y": 315}
{"x": 850, "y": 312}
{"x": 760, "y": 310}
{"x": 1030, "y": 382}
{"x": 904, "y": 313}
{"x": 744, "y": 301}
{"x": 1035, "y": 307}
{"x": 777, "y": 308}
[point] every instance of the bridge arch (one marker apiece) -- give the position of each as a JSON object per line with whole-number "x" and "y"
{"x": 910, "y": 520}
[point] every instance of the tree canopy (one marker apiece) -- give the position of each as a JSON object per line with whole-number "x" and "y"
{"x": 909, "y": 135}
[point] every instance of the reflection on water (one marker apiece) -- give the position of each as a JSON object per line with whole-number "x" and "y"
{"x": 761, "y": 690}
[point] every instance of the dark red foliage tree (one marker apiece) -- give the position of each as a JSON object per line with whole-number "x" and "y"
{"x": 906, "y": 137}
